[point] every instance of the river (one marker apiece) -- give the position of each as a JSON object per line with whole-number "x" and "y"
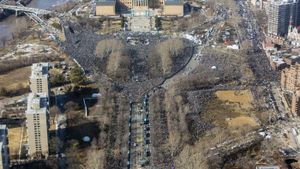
{"x": 8, "y": 24}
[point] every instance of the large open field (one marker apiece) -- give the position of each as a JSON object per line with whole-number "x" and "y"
{"x": 241, "y": 102}
{"x": 14, "y": 79}
{"x": 232, "y": 109}
{"x": 241, "y": 121}
{"x": 242, "y": 97}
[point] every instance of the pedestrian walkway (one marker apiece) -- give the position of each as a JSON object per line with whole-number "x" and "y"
{"x": 140, "y": 24}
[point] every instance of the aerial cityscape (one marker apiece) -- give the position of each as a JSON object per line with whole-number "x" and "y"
{"x": 150, "y": 84}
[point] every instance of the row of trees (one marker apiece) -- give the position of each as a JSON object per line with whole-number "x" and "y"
{"x": 17, "y": 30}
{"x": 115, "y": 58}
{"x": 19, "y": 90}
{"x": 9, "y": 65}
{"x": 162, "y": 60}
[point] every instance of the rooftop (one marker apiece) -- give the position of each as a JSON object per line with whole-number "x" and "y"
{"x": 173, "y": 2}
{"x": 37, "y": 103}
{"x": 105, "y": 2}
{"x": 39, "y": 69}
{"x": 277, "y": 60}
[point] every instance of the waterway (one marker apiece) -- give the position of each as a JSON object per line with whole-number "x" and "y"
{"x": 7, "y": 25}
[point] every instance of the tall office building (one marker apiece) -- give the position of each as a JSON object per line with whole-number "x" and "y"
{"x": 295, "y": 15}
{"x": 280, "y": 13}
{"x": 39, "y": 79}
{"x": 4, "y": 153}
{"x": 37, "y": 125}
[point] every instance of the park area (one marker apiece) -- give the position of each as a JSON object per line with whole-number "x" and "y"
{"x": 241, "y": 103}
{"x": 232, "y": 110}
{"x": 15, "y": 79}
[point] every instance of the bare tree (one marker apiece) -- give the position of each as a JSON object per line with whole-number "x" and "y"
{"x": 20, "y": 27}
{"x": 106, "y": 47}
{"x": 168, "y": 51}
{"x": 118, "y": 65}
{"x": 95, "y": 158}
{"x": 3, "y": 41}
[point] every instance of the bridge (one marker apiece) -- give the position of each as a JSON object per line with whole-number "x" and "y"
{"x": 33, "y": 13}
{"x": 24, "y": 9}
{"x": 3, "y": 1}
{"x": 53, "y": 33}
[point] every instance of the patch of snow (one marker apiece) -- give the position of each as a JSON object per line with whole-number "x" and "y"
{"x": 86, "y": 139}
{"x": 235, "y": 47}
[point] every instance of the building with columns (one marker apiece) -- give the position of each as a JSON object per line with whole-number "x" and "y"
{"x": 140, "y": 4}
{"x": 140, "y": 7}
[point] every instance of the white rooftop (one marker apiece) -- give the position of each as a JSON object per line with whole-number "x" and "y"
{"x": 37, "y": 103}
{"x": 39, "y": 69}
{"x": 277, "y": 60}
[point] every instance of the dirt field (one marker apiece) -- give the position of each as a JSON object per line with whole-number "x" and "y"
{"x": 52, "y": 127}
{"x": 232, "y": 111}
{"x": 241, "y": 103}
{"x": 241, "y": 121}
{"x": 15, "y": 78}
{"x": 14, "y": 138}
{"x": 242, "y": 97}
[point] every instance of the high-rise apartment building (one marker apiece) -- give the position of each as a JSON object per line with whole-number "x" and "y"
{"x": 296, "y": 13}
{"x": 37, "y": 125}
{"x": 4, "y": 153}
{"x": 278, "y": 16}
{"x": 39, "y": 79}
{"x": 279, "y": 13}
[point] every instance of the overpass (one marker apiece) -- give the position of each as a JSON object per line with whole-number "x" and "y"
{"x": 53, "y": 33}
{"x": 3, "y": 1}
{"x": 24, "y": 9}
{"x": 33, "y": 13}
